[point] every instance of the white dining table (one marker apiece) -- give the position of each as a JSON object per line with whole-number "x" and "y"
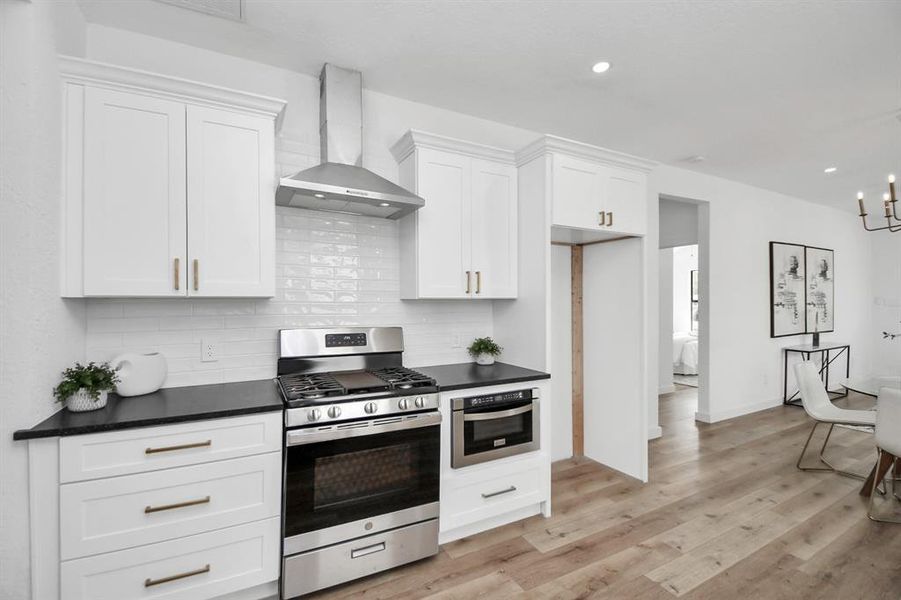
{"x": 870, "y": 386}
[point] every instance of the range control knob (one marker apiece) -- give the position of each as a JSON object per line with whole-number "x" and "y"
{"x": 314, "y": 414}
{"x": 371, "y": 407}
{"x": 334, "y": 412}
{"x": 420, "y": 402}
{"x": 403, "y": 404}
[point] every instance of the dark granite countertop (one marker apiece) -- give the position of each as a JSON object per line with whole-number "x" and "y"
{"x": 169, "y": 405}
{"x": 470, "y": 375}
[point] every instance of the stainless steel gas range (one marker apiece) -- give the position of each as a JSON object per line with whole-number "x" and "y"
{"x": 362, "y": 449}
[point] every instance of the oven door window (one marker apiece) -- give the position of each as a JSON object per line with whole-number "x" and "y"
{"x": 482, "y": 435}
{"x": 334, "y": 482}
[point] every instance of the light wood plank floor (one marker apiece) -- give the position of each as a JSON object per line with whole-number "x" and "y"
{"x": 726, "y": 516}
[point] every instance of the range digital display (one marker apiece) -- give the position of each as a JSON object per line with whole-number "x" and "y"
{"x": 345, "y": 340}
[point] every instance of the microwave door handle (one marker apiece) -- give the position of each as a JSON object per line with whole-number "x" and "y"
{"x": 501, "y": 414}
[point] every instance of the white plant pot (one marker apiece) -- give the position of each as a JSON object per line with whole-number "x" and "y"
{"x": 485, "y": 359}
{"x": 140, "y": 374}
{"x": 80, "y": 401}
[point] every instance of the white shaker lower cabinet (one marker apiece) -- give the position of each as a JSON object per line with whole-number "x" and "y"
{"x": 195, "y": 514}
{"x": 486, "y": 495}
{"x": 198, "y": 567}
{"x": 169, "y": 186}
{"x": 463, "y": 243}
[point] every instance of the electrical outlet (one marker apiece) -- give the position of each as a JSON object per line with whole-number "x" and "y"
{"x": 209, "y": 351}
{"x": 456, "y": 341}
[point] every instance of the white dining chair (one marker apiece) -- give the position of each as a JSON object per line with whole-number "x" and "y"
{"x": 820, "y": 408}
{"x": 888, "y": 447}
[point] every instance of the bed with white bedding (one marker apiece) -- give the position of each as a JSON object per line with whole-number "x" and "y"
{"x": 685, "y": 353}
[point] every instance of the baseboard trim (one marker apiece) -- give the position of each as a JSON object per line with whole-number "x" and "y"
{"x": 738, "y": 411}
{"x": 655, "y": 432}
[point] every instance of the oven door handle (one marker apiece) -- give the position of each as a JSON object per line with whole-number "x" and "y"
{"x": 312, "y": 436}
{"x": 502, "y": 414}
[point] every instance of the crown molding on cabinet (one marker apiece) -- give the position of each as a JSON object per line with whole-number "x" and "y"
{"x": 551, "y": 144}
{"x": 421, "y": 139}
{"x": 80, "y": 71}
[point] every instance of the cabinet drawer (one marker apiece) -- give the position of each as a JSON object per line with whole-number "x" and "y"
{"x": 151, "y": 448}
{"x": 491, "y": 497}
{"x": 123, "y": 512}
{"x": 192, "y": 568}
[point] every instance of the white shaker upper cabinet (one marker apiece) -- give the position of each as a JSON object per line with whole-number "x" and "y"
{"x": 231, "y": 208}
{"x": 168, "y": 186}
{"x": 577, "y": 193}
{"x": 134, "y": 195}
{"x": 463, "y": 242}
{"x": 593, "y": 189}
{"x": 494, "y": 229}
{"x": 442, "y": 233}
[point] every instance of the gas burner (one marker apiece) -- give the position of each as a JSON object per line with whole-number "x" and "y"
{"x": 401, "y": 378}
{"x": 310, "y": 386}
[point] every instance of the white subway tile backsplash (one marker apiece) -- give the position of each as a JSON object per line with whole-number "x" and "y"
{"x": 331, "y": 271}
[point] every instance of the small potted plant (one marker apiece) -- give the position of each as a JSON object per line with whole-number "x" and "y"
{"x": 484, "y": 350}
{"x": 85, "y": 387}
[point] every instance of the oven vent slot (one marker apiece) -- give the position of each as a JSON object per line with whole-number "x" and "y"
{"x": 352, "y": 425}
{"x": 388, "y": 420}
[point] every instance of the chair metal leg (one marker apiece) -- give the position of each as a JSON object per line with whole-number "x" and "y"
{"x": 829, "y": 466}
{"x": 871, "y": 508}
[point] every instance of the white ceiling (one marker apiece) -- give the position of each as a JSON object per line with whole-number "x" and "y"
{"x": 770, "y": 93}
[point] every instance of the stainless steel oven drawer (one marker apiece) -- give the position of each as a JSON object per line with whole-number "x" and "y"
{"x": 318, "y": 569}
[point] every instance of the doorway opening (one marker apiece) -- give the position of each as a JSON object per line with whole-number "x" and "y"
{"x": 683, "y": 315}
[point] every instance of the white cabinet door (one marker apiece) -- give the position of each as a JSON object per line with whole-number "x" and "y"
{"x": 134, "y": 195}
{"x": 443, "y": 225}
{"x": 577, "y": 190}
{"x": 625, "y": 203}
{"x": 231, "y": 203}
{"x": 494, "y": 229}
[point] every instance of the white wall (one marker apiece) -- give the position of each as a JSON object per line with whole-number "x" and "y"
{"x": 678, "y": 223}
{"x": 685, "y": 260}
{"x": 665, "y": 327}
{"x": 40, "y": 334}
{"x": 745, "y": 370}
{"x": 885, "y": 268}
{"x": 332, "y": 270}
{"x": 561, "y": 353}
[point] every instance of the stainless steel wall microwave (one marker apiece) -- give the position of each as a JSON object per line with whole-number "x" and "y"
{"x": 494, "y": 426}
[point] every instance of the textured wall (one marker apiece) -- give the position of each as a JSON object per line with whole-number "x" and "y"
{"x": 332, "y": 270}
{"x": 39, "y": 333}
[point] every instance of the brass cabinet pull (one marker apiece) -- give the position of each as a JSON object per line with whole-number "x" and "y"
{"x": 178, "y": 447}
{"x": 196, "y": 274}
{"x": 154, "y": 509}
{"x": 468, "y": 282}
{"x": 177, "y": 278}
{"x": 478, "y": 282}
{"x": 152, "y": 582}
{"x": 512, "y": 488}
{"x": 609, "y": 219}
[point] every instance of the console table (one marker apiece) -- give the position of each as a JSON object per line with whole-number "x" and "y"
{"x": 829, "y": 353}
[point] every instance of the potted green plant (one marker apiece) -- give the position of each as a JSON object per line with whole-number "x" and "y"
{"x": 85, "y": 387}
{"x": 484, "y": 350}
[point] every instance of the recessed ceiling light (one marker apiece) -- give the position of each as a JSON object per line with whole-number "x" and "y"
{"x": 601, "y": 67}
{"x": 384, "y": 204}
{"x": 830, "y": 169}
{"x": 319, "y": 195}
{"x": 695, "y": 158}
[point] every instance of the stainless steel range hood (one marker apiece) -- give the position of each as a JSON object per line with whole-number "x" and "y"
{"x": 340, "y": 183}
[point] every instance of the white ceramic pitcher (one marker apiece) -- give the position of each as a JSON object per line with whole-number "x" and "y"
{"x": 140, "y": 373}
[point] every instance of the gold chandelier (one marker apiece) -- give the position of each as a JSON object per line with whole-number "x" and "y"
{"x": 889, "y": 203}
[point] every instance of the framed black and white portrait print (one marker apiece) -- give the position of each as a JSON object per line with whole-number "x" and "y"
{"x": 788, "y": 314}
{"x": 820, "y": 268}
